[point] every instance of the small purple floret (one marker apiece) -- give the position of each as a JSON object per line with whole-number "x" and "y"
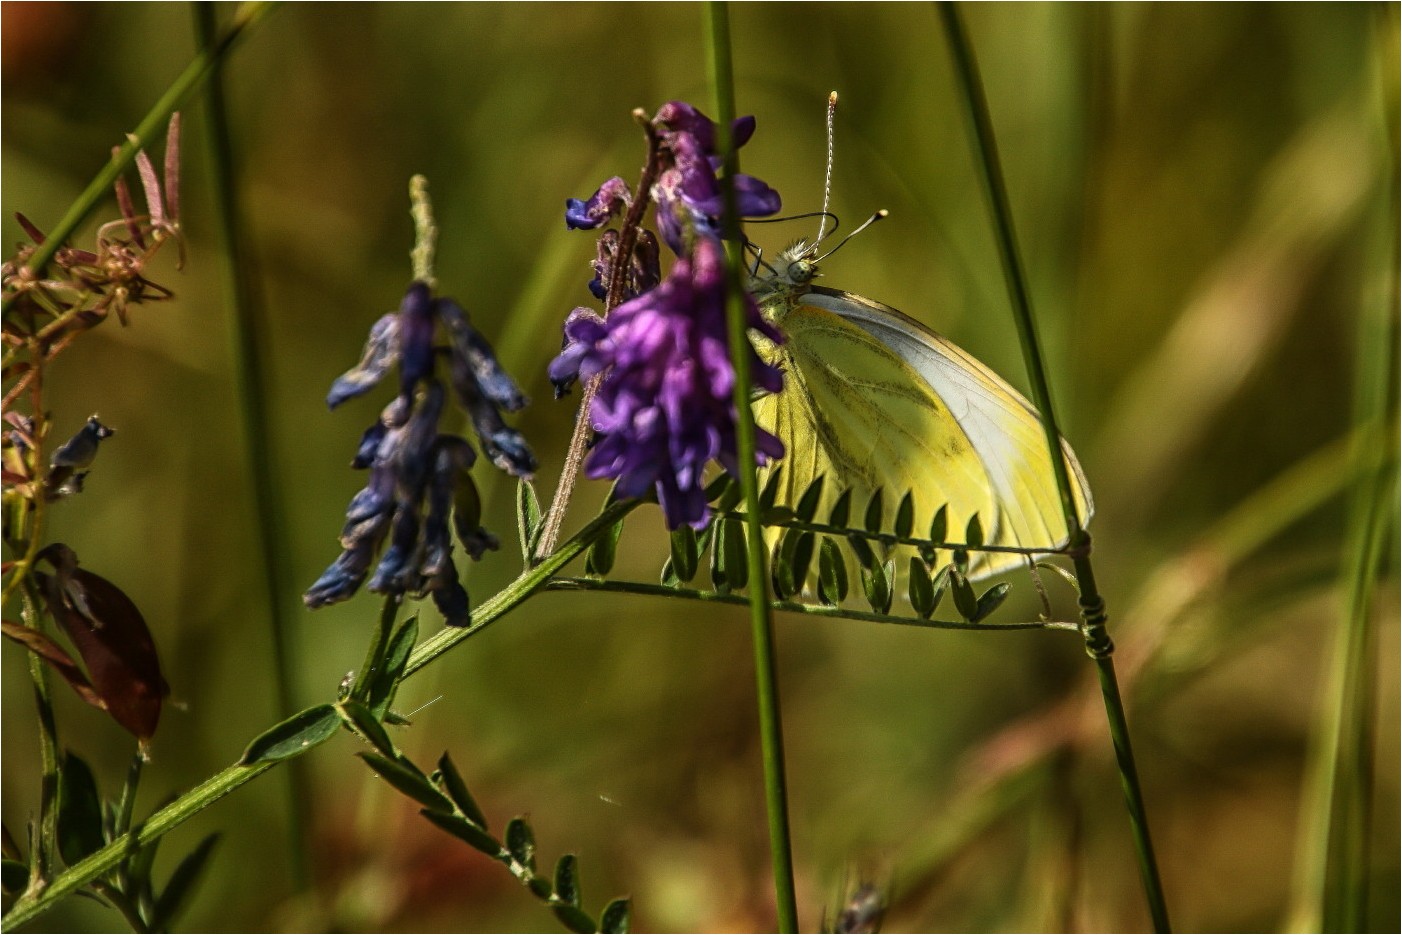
{"x": 665, "y": 408}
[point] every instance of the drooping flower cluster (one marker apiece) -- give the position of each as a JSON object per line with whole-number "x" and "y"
{"x": 665, "y": 406}
{"x": 417, "y": 475}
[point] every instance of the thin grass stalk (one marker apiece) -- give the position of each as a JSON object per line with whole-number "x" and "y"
{"x": 248, "y": 317}
{"x": 1098, "y": 643}
{"x": 761, "y": 622}
{"x": 151, "y": 128}
{"x": 1330, "y": 885}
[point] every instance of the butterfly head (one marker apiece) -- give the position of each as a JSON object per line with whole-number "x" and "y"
{"x": 775, "y": 283}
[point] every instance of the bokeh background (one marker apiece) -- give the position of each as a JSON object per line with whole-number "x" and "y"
{"x": 1202, "y": 199}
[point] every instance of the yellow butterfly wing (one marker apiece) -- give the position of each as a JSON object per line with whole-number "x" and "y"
{"x": 873, "y": 399}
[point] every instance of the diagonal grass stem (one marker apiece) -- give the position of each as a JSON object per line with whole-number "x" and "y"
{"x": 1093, "y": 612}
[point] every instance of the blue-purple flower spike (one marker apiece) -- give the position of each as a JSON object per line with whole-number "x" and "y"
{"x": 665, "y": 408}
{"x": 418, "y": 486}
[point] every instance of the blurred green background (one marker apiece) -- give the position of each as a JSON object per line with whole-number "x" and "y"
{"x": 1201, "y": 193}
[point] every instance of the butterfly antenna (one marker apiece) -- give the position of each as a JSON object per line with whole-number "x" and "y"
{"x": 827, "y": 177}
{"x": 836, "y": 221}
{"x": 867, "y": 223}
{"x": 758, "y": 254}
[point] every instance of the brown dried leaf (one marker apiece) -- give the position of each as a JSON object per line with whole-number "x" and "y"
{"x": 55, "y": 655}
{"x": 111, "y": 637}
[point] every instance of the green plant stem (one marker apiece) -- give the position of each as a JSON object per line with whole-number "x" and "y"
{"x": 531, "y": 580}
{"x": 223, "y": 783}
{"x": 151, "y": 127}
{"x": 1098, "y": 643}
{"x": 379, "y": 643}
{"x": 47, "y": 843}
{"x": 761, "y": 622}
{"x": 248, "y": 318}
{"x": 838, "y": 613}
{"x": 108, "y": 858}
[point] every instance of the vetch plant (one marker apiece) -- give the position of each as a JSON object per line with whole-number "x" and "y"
{"x": 671, "y": 368}
{"x": 798, "y": 442}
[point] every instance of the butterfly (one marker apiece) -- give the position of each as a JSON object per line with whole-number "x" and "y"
{"x": 875, "y": 401}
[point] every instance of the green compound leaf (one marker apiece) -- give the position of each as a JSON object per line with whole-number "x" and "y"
{"x": 877, "y": 584}
{"x": 940, "y": 585}
{"x": 452, "y": 782}
{"x": 730, "y": 493}
{"x": 841, "y": 510}
{"x": 876, "y": 509}
{"x": 973, "y": 536}
{"x": 464, "y": 830}
{"x": 939, "y": 526}
{"x": 360, "y": 719}
{"x": 685, "y": 553}
{"x": 795, "y": 555}
{"x": 965, "y": 601}
{"x": 734, "y": 559}
{"x": 803, "y": 557}
{"x": 617, "y": 917}
{"x": 567, "y": 880}
{"x": 717, "y": 486}
{"x": 922, "y": 593}
{"x": 182, "y": 884}
{"x": 905, "y": 515}
{"x": 408, "y": 779}
{"x": 832, "y": 573}
{"x": 527, "y": 518}
{"x": 770, "y": 494}
{"x": 716, "y": 566}
{"x": 991, "y": 600}
{"x": 520, "y": 843}
{"x": 603, "y": 551}
{"x": 79, "y": 811}
{"x": 385, "y": 682}
{"x": 862, "y": 550}
{"x": 293, "y": 736}
{"x": 808, "y": 503}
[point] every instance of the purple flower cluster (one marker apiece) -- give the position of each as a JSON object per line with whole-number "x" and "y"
{"x": 418, "y": 477}
{"x": 687, "y": 191}
{"x": 665, "y": 406}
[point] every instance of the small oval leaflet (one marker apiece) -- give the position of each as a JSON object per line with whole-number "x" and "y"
{"x": 876, "y": 509}
{"x": 832, "y": 573}
{"x": 306, "y": 729}
{"x": 905, "y": 515}
{"x": 520, "y": 843}
{"x": 922, "y": 595}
